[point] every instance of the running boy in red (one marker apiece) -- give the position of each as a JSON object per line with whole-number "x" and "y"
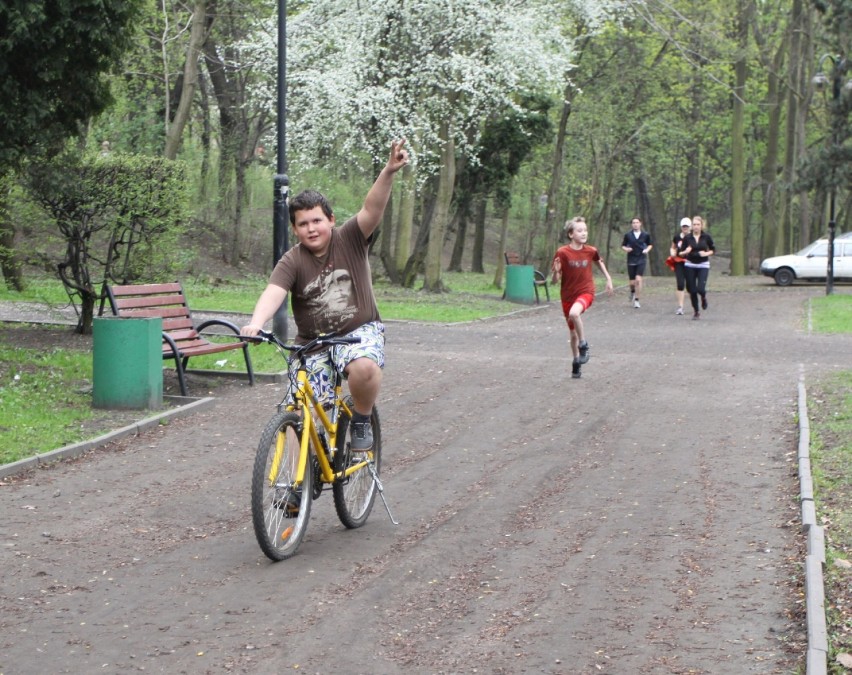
{"x": 572, "y": 265}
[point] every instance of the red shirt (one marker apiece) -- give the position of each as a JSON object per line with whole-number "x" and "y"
{"x": 577, "y": 277}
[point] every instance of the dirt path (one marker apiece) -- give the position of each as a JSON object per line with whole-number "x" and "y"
{"x": 641, "y": 519}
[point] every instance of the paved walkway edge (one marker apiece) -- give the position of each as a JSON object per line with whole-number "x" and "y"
{"x": 817, "y": 656}
{"x": 76, "y": 449}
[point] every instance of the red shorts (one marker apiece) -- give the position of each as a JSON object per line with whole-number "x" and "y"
{"x": 585, "y": 299}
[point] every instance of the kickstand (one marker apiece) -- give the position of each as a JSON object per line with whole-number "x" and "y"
{"x": 381, "y": 491}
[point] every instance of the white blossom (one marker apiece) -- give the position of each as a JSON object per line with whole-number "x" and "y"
{"x": 361, "y": 73}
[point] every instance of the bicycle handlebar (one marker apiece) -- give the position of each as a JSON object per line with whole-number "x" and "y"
{"x": 325, "y": 340}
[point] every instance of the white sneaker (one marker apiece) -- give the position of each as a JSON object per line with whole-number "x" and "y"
{"x": 636, "y": 304}
{"x": 679, "y": 311}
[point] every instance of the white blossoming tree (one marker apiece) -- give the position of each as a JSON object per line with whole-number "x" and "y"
{"x": 361, "y": 73}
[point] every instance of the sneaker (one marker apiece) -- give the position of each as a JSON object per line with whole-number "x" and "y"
{"x": 679, "y": 311}
{"x": 361, "y": 434}
{"x": 575, "y": 369}
{"x": 703, "y": 302}
{"x": 696, "y": 316}
{"x": 632, "y": 295}
{"x": 636, "y": 304}
{"x": 584, "y": 352}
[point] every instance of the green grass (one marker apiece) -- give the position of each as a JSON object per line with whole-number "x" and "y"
{"x": 830, "y": 415}
{"x": 41, "y": 289}
{"x": 44, "y": 398}
{"x": 470, "y": 297}
{"x": 832, "y": 314}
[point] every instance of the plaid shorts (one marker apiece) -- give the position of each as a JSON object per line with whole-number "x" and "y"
{"x": 321, "y": 365}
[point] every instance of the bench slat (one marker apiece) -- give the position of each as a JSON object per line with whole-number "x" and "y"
{"x": 146, "y": 289}
{"x": 138, "y": 302}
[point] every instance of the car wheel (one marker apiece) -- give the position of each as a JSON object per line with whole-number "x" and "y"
{"x": 784, "y": 276}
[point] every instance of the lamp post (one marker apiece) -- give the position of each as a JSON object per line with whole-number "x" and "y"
{"x": 839, "y": 66}
{"x": 281, "y": 183}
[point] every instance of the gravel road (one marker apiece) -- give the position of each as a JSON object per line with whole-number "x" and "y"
{"x": 641, "y": 519}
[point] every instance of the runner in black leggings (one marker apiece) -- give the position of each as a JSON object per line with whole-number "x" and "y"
{"x": 698, "y": 247}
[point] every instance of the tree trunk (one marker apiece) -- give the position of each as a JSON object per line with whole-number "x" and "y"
{"x": 10, "y": 264}
{"x": 414, "y": 264}
{"x": 738, "y": 239}
{"x": 501, "y": 249}
{"x": 443, "y": 200}
{"x": 551, "y": 231}
{"x": 462, "y": 216}
{"x": 476, "y": 264}
{"x": 404, "y": 227}
{"x": 807, "y": 55}
{"x": 770, "y": 235}
{"x": 792, "y": 151}
{"x": 692, "y": 156}
{"x": 198, "y": 35}
{"x": 386, "y": 235}
{"x": 232, "y": 137}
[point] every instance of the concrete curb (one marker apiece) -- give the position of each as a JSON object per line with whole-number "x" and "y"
{"x": 77, "y": 449}
{"x": 817, "y": 655}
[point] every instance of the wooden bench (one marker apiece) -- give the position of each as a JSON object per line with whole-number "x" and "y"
{"x": 539, "y": 279}
{"x": 181, "y": 339}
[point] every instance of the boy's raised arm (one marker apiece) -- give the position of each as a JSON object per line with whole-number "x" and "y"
{"x": 376, "y": 200}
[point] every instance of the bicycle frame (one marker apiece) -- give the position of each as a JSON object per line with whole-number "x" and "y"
{"x": 313, "y": 414}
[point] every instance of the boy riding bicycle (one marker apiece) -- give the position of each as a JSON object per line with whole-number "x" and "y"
{"x": 328, "y": 275}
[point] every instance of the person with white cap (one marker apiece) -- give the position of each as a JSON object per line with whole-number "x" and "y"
{"x": 675, "y": 251}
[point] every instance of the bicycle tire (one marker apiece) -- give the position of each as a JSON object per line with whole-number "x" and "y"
{"x": 279, "y": 531}
{"x": 354, "y": 496}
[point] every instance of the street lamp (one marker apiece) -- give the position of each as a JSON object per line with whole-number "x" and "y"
{"x": 839, "y": 66}
{"x": 281, "y": 183}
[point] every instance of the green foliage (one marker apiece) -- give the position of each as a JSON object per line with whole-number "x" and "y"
{"x": 120, "y": 217}
{"x": 53, "y": 55}
{"x": 508, "y": 138}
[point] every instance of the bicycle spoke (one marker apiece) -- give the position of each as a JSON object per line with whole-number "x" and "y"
{"x": 280, "y": 507}
{"x": 354, "y": 496}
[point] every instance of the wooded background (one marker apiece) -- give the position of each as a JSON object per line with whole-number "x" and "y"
{"x": 518, "y": 116}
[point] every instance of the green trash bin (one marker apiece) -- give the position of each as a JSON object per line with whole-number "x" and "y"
{"x": 127, "y": 363}
{"x": 520, "y": 284}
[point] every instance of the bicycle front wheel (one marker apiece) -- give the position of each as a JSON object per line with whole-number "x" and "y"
{"x": 354, "y": 496}
{"x": 280, "y": 509}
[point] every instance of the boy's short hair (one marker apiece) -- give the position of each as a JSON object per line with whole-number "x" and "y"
{"x": 307, "y": 200}
{"x": 569, "y": 224}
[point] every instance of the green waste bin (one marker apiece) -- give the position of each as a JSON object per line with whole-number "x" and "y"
{"x": 520, "y": 284}
{"x": 127, "y": 363}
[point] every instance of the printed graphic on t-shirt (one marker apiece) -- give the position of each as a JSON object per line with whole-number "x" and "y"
{"x": 331, "y": 296}
{"x": 578, "y": 263}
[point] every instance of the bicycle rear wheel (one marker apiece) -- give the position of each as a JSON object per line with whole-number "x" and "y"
{"x": 354, "y": 496}
{"x": 280, "y": 510}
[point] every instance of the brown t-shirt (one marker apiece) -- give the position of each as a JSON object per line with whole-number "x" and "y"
{"x": 332, "y": 294}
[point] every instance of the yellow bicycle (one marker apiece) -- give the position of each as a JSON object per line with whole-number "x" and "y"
{"x": 304, "y": 450}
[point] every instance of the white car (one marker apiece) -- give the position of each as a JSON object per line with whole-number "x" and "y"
{"x": 811, "y": 263}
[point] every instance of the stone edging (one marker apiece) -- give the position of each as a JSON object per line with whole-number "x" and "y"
{"x": 817, "y": 655}
{"x": 76, "y": 449}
